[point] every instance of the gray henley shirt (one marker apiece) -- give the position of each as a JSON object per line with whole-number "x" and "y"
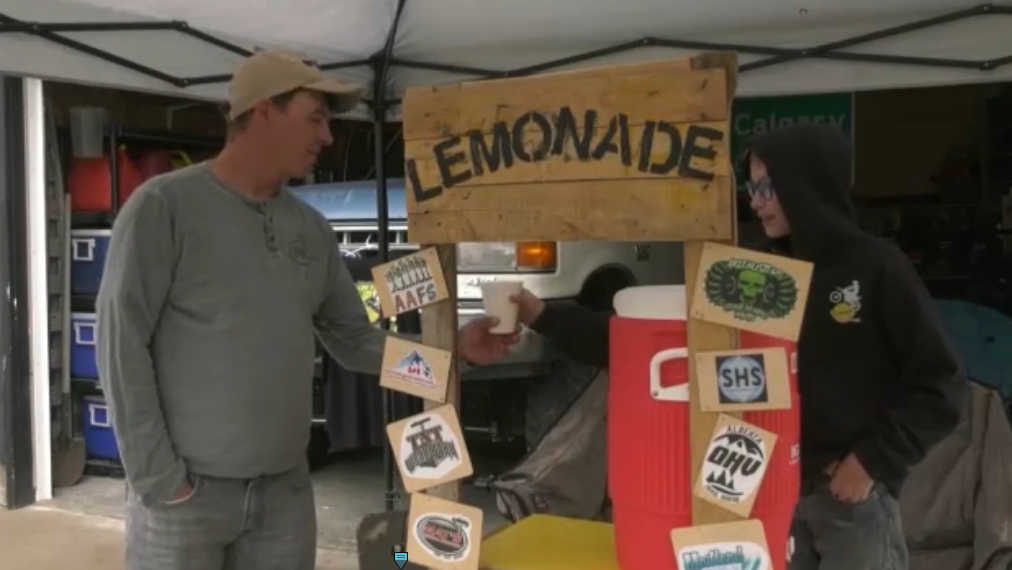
{"x": 206, "y": 319}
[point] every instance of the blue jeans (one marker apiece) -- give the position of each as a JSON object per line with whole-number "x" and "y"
{"x": 828, "y": 534}
{"x": 267, "y": 523}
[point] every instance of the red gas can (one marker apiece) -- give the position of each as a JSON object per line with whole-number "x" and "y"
{"x": 648, "y": 425}
{"x": 90, "y": 182}
{"x": 778, "y": 494}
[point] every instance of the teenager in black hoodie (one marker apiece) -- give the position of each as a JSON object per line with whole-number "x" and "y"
{"x": 879, "y": 383}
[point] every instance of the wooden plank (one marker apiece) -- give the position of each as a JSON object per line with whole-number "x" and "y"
{"x": 636, "y": 151}
{"x": 703, "y": 336}
{"x": 630, "y": 123}
{"x": 439, "y": 330}
{"x": 706, "y": 60}
{"x": 679, "y": 96}
{"x": 657, "y": 209}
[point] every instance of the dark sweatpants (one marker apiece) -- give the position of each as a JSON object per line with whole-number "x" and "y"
{"x": 828, "y": 534}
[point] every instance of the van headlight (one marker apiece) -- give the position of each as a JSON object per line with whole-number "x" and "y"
{"x": 507, "y": 256}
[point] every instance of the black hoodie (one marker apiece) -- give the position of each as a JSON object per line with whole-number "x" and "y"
{"x": 876, "y": 374}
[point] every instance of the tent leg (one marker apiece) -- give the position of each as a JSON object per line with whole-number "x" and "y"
{"x": 383, "y": 218}
{"x": 17, "y": 484}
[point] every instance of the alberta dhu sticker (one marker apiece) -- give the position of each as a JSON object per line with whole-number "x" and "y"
{"x": 446, "y": 537}
{"x": 735, "y": 464}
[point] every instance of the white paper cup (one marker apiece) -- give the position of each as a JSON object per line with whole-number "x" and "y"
{"x": 495, "y": 295}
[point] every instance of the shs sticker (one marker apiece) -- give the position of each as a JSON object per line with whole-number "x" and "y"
{"x": 743, "y": 380}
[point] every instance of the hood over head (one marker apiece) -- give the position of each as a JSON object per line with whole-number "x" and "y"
{"x": 809, "y": 167}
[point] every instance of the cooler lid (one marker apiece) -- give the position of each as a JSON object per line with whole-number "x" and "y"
{"x": 656, "y": 302}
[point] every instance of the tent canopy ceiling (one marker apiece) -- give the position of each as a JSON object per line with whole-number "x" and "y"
{"x": 938, "y": 42}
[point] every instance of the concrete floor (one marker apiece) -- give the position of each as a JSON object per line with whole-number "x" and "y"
{"x": 46, "y": 538}
{"x": 90, "y": 515}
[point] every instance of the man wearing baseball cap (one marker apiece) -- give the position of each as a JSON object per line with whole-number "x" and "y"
{"x": 216, "y": 282}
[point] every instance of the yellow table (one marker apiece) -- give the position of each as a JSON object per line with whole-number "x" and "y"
{"x": 543, "y": 542}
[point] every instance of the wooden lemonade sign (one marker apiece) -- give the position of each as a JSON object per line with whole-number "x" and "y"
{"x": 626, "y": 153}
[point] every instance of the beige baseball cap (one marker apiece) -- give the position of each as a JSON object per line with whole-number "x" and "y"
{"x": 271, "y": 72}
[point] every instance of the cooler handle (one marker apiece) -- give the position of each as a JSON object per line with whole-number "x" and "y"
{"x": 84, "y": 249}
{"x": 93, "y": 413}
{"x": 676, "y": 393}
{"x": 82, "y": 339}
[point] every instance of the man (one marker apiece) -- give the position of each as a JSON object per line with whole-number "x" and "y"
{"x": 217, "y": 279}
{"x": 879, "y": 383}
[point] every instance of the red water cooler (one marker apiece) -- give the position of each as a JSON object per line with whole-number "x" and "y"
{"x": 648, "y": 425}
{"x": 649, "y": 478}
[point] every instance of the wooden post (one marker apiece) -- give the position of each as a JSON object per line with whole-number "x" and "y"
{"x": 703, "y": 335}
{"x": 439, "y": 330}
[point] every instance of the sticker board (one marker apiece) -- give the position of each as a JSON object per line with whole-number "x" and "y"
{"x": 415, "y": 369}
{"x": 443, "y": 535}
{"x": 734, "y": 465}
{"x": 739, "y": 544}
{"x": 429, "y": 449}
{"x": 410, "y": 282}
{"x": 752, "y": 291}
{"x": 743, "y": 380}
{"x": 543, "y": 157}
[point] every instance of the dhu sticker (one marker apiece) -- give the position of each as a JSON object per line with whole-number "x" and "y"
{"x": 735, "y": 464}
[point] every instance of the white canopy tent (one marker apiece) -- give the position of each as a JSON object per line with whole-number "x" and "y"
{"x": 188, "y": 48}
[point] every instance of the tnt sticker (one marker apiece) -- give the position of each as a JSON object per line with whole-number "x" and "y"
{"x": 429, "y": 449}
{"x": 751, "y": 291}
{"x": 739, "y": 545}
{"x": 735, "y": 464}
{"x": 410, "y": 282}
{"x": 743, "y": 380}
{"x": 442, "y": 534}
{"x": 415, "y": 369}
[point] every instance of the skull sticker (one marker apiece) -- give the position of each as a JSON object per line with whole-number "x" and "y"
{"x": 751, "y": 290}
{"x": 751, "y": 285}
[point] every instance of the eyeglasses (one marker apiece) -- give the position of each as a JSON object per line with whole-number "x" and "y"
{"x": 762, "y": 188}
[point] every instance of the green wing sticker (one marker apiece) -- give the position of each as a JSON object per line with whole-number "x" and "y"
{"x": 750, "y": 290}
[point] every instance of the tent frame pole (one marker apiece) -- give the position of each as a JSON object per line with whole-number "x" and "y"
{"x": 380, "y": 64}
{"x": 16, "y": 449}
{"x": 831, "y": 51}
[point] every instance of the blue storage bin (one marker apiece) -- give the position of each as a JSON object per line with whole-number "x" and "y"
{"x": 87, "y": 252}
{"x": 99, "y": 437}
{"x": 82, "y": 346}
